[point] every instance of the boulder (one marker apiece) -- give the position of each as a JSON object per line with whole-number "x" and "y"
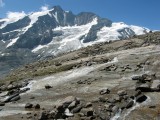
{"x": 141, "y": 98}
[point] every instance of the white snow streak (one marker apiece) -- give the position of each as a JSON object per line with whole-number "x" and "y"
{"x": 12, "y": 42}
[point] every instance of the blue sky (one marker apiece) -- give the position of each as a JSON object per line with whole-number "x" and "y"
{"x": 137, "y": 12}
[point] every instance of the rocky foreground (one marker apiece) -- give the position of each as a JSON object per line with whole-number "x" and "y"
{"x": 108, "y": 81}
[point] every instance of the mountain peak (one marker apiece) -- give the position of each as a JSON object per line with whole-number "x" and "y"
{"x": 57, "y": 8}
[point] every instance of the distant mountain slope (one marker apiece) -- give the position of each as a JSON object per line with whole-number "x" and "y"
{"x": 47, "y": 33}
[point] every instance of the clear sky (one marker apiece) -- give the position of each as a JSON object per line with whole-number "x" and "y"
{"x": 144, "y": 13}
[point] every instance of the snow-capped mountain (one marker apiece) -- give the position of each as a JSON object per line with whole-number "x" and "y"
{"x": 54, "y": 31}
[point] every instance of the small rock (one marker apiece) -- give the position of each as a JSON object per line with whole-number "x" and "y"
{"x": 43, "y": 116}
{"x": 87, "y": 111}
{"x": 103, "y": 116}
{"x": 102, "y": 99}
{"x": 130, "y": 104}
{"x": 60, "y": 108}
{"x": 137, "y": 78}
{"x": 52, "y": 113}
{"x": 122, "y": 93}
{"x": 115, "y": 109}
{"x": 81, "y": 114}
{"x": 89, "y": 64}
{"x": 58, "y": 64}
{"x": 104, "y": 91}
{"x": 28, "y": 105}
{"x": 29, "y": 117}
{"x": 118, "y": 98}
{"x": 37, "y": 106}
{"x": 48, "y": 86}
{"x": 89, "y": 104}
{"x": 2, "y": 104}
{"x": 32, "y": 97}
{"x": 137, "y": 92}
{"x": 152, "y": 106}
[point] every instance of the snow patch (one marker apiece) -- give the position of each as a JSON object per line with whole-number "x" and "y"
{"x": 55, "y": 16}
{"x": 12, "y": 42}
{"x": 37, "y": 48}
{"x": 70, "y": 40}
{"x": 139, "y": 30}
{"x": 117, "y": 31}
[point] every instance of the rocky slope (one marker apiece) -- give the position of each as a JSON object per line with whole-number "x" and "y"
{"x": 119, "y": 80}
{"x": 48, "y": 33}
